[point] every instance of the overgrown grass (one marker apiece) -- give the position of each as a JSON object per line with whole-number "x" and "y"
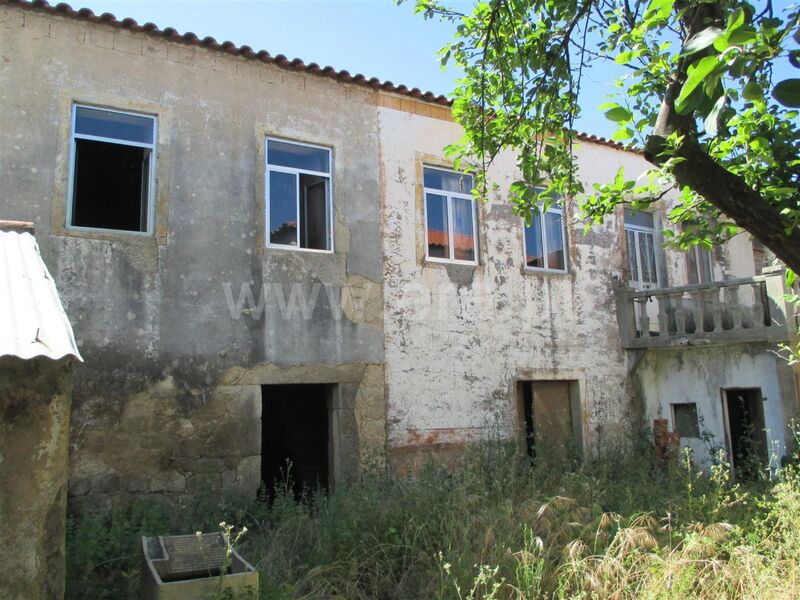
{"x": 496, "y": 527}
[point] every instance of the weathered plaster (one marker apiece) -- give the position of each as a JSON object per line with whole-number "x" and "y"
{"x": 34, "y": 433}
{"x": 700, "y": 375}
{"x": 164, "y": 320}
{"x": 457, "y": 344}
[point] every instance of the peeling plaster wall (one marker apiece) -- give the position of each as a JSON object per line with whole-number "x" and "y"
{"x": 34, "y": 435}
{"x": 163, "y": 320}
{"x": 458, "y": 338}
{"x": 700, "y": 375}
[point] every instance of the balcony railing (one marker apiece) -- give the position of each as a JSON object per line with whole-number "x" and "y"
{"x": 722, "y": 312}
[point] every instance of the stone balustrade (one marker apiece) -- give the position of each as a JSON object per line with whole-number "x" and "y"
{"x": 752, "y": 309}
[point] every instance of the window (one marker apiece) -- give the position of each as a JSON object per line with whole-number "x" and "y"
{"x": 640, "y": 244}
{"x": 299, "y": 203}
{"x": 544, "y": 240}
{"x": 450, "y": 217}
{"x": 112, "y": 170}
{"x": 762, "y": 256}
{"x": 700, "y": 265}
{"x": 684, "y": 420}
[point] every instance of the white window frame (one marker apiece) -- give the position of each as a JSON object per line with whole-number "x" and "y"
{"x": 637, "y": 231}
{"x": 540, "y": 219}
{"x": 449, "y": 196}
{"x": 297, "y": 173}
{"x": 151, "y": 186}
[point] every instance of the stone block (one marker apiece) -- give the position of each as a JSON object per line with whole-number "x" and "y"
{"x": 180, "y": 54}
{"x": 136, "y": 484}
{"x": 79, "y": 486}
{"x": 228, "y": 478}
{"x": 154, "y": 49}
{"x": 130, "y": 43}
{"x": 224, "y": 64}
{"x": 270, "y": 74}
{"x": 248, "y": 70}
{"x": 168, "y": 482}
{"x": 67, "y": 30}
{"x": 241, "y": 402}
{"x": 248, "y": 475}
{"x": 107, "y": 483}
{"x": 242, "y": 438}
{"x": 100, "y": 37}
{"x": 204, "y": 483}
{"x": 37, "y": 26}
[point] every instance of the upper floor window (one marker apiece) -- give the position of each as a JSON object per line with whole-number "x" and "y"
{"x": 544, "y": 240}
{"x": 112, "y": 170}
{"x": 640, "y": 236}
{"x": 299, "y": 200}
{"x": 700, "y": 265}
{"x": 450, "y": 217}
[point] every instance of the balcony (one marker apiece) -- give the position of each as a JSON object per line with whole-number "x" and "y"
{"x": 722, "y": 312}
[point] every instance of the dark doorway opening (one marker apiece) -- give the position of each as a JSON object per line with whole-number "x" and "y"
{"x": 549, "y": 408}
{"x": 294, "y": 437}
{"x": 744, "y": 424}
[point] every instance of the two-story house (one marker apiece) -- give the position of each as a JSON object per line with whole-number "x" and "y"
{"x": 268, "y": 260}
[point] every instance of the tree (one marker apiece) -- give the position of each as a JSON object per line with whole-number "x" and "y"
{"x": 699, "y": 96}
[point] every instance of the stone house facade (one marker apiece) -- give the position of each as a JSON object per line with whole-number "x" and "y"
{"x": 291, "y": 270}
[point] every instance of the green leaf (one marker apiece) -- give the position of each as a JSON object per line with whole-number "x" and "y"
{"x": 623, "y": 57}
{"x": 625, "y": 133}
{"x": 702, "y": 40}
{"x": 619, "y": 114}
{"x": 752, "y": 91}
{"x": 659, "y": 8}
{"x": 696, "y": 73}
{"x": 742, "y": 35}
{"x": 711, "y": 123}
{"x": 787, "y": 92}
{"x": 619, "y": 178}
{"x": 735, "y": 19}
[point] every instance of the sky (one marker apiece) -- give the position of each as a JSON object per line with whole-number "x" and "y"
{"x": 373, "y": 37}
{"x": 376, "y": 38}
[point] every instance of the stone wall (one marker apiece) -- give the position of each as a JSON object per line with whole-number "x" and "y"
{"x": 168, "y": 323}
{"x": 34, "y": 435}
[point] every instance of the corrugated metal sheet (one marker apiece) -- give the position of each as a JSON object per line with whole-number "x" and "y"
{"x": 32, "y": 320}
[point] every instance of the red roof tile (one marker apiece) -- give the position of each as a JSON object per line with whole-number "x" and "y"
{"x": 296, "y": 64}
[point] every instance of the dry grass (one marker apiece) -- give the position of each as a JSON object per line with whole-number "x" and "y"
{"x": 499, "y": 528}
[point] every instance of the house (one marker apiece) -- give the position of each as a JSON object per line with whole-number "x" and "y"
{"x": 37, "y": 349}
{"x": 267, "y": 259}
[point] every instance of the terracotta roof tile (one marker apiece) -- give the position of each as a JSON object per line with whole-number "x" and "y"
{"x": 296, "y": 64}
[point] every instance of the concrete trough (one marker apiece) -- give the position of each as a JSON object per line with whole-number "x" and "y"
{"x": 190, "y": 567}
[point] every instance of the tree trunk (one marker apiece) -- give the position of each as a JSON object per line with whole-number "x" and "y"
{"x": 701, "y": 173}
{"x": 729, "y": 192}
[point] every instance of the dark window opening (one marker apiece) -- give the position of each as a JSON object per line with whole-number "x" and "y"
{"x": 294, "y": 437}
{"x": 684, "y": 420}
{"x": 314, "y": 212}
{"x": 110, "y": 186}
{"x": 747, "y": 440}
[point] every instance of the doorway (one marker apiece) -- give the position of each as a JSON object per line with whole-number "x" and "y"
{"x": 549, "y": 411}
{"x": 295, "y": 425}
{"x": 743, "y": 410}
